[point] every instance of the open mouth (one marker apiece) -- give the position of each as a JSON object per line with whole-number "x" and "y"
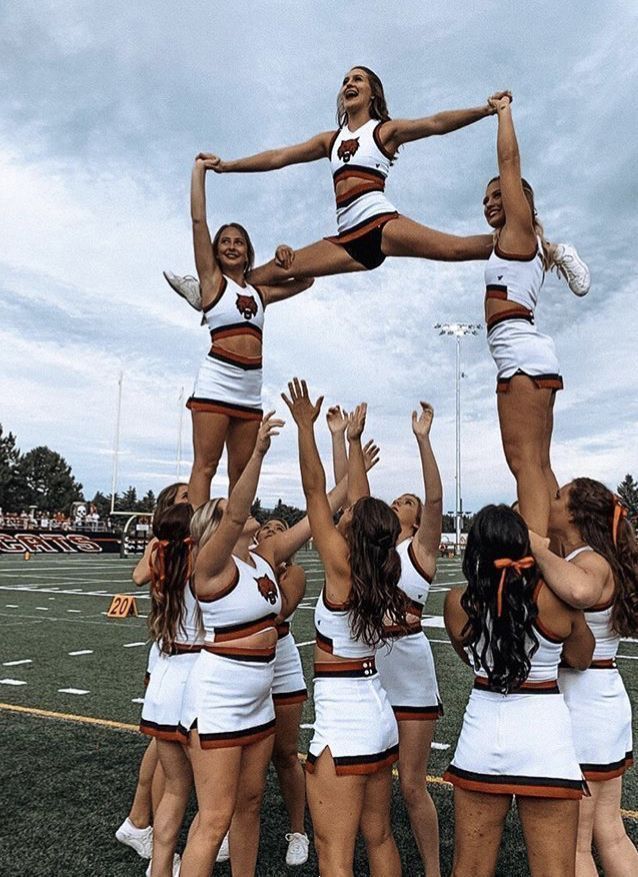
{"x": 351, "y": 92}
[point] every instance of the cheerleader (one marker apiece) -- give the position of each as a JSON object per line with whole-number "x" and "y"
{"x": 137, "y": 831}
{"x": 361, "y": 153}
{"x": 516, "y": 738}
{"x": 355, "y": 741}
{"x": 226, "y": 401}
{"x": 406, "y": 663}
{"x": 175, "y": 623}
{"x": 528, "y": 370}
{"x": 599, "y": 573}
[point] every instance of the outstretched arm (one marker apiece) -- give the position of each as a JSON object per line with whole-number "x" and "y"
{"x": 398, "y": 131}
{"x": 518, "y": 235}
{"x": 205, "y": 262}
{"x": 215, "y": 554}
{"x": 273, "y": 159}
{"x": 287, "y": 289}
{"x": 358, "y": 485}
{"x": 428, "y": 537}
{"x": 337, "y": 424}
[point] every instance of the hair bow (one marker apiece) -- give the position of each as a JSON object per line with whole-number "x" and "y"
{"x": 505, "y": 563}
{"x": 158, "y": 553}
{"x": 619, "y": 512}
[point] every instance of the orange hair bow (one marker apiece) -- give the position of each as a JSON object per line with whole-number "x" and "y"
{"x": 158, "y": 553}
{"x": 505, "y": 563}
{"x": 619, "y": 512}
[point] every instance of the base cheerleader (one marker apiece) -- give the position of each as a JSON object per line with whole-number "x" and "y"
{"x": 516, "y": 738}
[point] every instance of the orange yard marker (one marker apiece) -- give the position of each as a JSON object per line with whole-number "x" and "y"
{"x": 122, "y": 606}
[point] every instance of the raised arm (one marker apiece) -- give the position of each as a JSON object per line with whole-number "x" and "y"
{"x": 428, "y": 537}
{"x": 273, "y": 159}
{"x": 517, "y": 235}
{"x": 358, "y": 484}
{"x": 580, "y": 582}
{"x": 215, "y": 554}
{"x": 331, "y": 545}
{"x": 398, "y": 131}
{"x": 337, "y": 424}
{"x": 205, "y": 262}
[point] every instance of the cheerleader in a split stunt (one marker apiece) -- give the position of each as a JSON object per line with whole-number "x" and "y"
{"x": 599, "y": 574}
{"x": 528, "y": 371}
{"x": 355, "y": 739}
{"x": 226, "y": 400}
{"x": 516, "y": 737}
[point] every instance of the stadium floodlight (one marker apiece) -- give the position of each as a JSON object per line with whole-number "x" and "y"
{"x": 458, "y": 331}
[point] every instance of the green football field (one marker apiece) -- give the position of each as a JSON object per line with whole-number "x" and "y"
{"x": 71, "y": 683}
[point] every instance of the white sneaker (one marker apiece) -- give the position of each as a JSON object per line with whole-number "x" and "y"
{"x": 188, "y": 287}
{"x": 297, "y": 848}
{"x": 224, "y": 851}
{"x": 177, "y": 863}
{"x": 573, "y": 269}
{"x": 139, "y": 839}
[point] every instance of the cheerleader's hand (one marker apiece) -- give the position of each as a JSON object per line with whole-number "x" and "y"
{"x": 212, "y": 162}
{"x": 270, "y": 426}
{"x": 499, "y": 101}
{"x": 422, "y": 422}
{"x": 370, "y": 454}
{"x": 284, "y": 256}
{"x": 302, "y": 409}
{"x": 337, "y": 419}
{"x": 537, "y": 542}
{"x": 357, "y": 422}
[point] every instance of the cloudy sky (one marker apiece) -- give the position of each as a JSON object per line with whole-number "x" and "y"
{"x": 104, "y": 106}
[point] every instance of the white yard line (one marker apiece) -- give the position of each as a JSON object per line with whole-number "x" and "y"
{"x": 15, "y": 663}
{"x": 12, "y": 682}
{"x": 73, "y": 690}
{"x": 132, "y": 645}
{"x": 81, "y": 652}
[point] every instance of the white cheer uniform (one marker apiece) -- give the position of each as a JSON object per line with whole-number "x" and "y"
{"x": 289, "y": 685}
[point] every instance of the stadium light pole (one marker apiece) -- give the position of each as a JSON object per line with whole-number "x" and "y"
{"x": 458, "y": 331}
{"x": 116, "y": 440}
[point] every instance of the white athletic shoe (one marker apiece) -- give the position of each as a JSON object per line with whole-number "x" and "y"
{"x": 139, "y": 839}
{"x": 224, "y": 851}
{"x": 573, "y": 269}
{"x": 297, "y": 848}
{"x": 177, "y": 862}
{"x": 188, "y": 287}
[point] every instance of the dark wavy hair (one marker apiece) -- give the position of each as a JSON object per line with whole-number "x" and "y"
{"x": 591, "y": 508}
{"x": 375, "y": 597}
{"x": 503, "y": 647}
{"x": 250, "y": 250}
{"x": 170, "y": 564}
{"x": 378, "y": 105}
{"x": 165, "y": 499}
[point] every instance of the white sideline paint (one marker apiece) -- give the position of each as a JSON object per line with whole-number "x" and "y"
{"x": 79, "y": 611}
{"x": 138, "y": 700}
{"x": 15, "y": 663}
{"x": 436, "y": 745}
{"x": 81, "y": 652}
{"x": 73, "y": 691}
{"x": 309, "y": 642}
{"x": 132, "y": 645}
{"x": 12, "y": 682}
{"x": 11, "y": 606}
{"x": 42, "y": 608}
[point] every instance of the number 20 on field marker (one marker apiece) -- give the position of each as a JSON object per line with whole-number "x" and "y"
{"x": 122, "y": 606}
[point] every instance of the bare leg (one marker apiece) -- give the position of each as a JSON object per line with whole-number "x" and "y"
{"x": 244, "y": 829}
{"x": 617, "y": 853}
{"x": 415, "y": 741}
{"x": 549, "y": 827}
{"x": 289, "y": 770}
{"x": 240, "y": 443}
{"x": 522, "y": 413}
{"x": 585, "y": 865}
{"x": 170, "y": 813}
{"x": 216, "y": 773}
{"x": 209, "y": 435}
{"x": 335, "y": 804}
{"x": 157, "y": 788}
{"x": 383, "y": 856}
{"x": 550, "y": 478}
{"x": 479, "y": 820}
{"x": 141, "y": 811}
{"x": 405, "y": 237}
{"x": 320, "y": 259}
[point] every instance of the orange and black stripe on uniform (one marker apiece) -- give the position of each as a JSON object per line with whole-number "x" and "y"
{"x": 358, "y": 764}
{"x": 228, "y": 739}
{"x": 528, "y": 786}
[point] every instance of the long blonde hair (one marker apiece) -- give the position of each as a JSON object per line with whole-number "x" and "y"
{"x": 546, "y": 246}
{"x": 205, "y": 521}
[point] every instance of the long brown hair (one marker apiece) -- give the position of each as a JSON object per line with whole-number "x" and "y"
{"x": 165, "y": 499}
{"x": 250, "y": 250}
{"x": 546, "y": 246}
{"x": 170, "y": 563}
{"x": 375, "y": 565}
{"x": 378, "y": 105}
{"x": 591, "y": 507}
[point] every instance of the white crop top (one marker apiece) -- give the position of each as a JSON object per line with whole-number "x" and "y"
{"x": 515, "y": 279}
{"x": 239, "y": 310}
{"x": 598, "y": 619}
{"x": 248, "y": 605}
{"x": 333, "y": 631}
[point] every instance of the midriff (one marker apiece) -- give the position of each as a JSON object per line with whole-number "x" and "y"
{"x": 246, "y": 346}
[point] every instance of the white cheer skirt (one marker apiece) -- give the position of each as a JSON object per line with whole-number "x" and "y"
{"x": 164, "y": 697}
{"x": 289, "y": 685}
{"x": 407, "y": 673}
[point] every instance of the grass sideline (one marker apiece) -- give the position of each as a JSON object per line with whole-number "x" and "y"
{"x": 67, "y": 784}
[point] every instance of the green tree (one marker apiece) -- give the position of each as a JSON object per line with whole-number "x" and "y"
{"x": 147, "y": 503}
{"x": 45, "y": 480}
{"x": 257, "y": 512}
{"x": 127, "y": 501}
{"x": 9, "y": 457}
{"x": 628, "y": 492}
{"x": 288, "y": 513}
{"x": 102, "y": 504}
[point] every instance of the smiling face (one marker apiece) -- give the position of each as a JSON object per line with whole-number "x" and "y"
{"x": 407, "y": 508}
{"x": 493, "y": 205}
{"x": 355, "y": 93}
{"x": 232, "y": 250}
